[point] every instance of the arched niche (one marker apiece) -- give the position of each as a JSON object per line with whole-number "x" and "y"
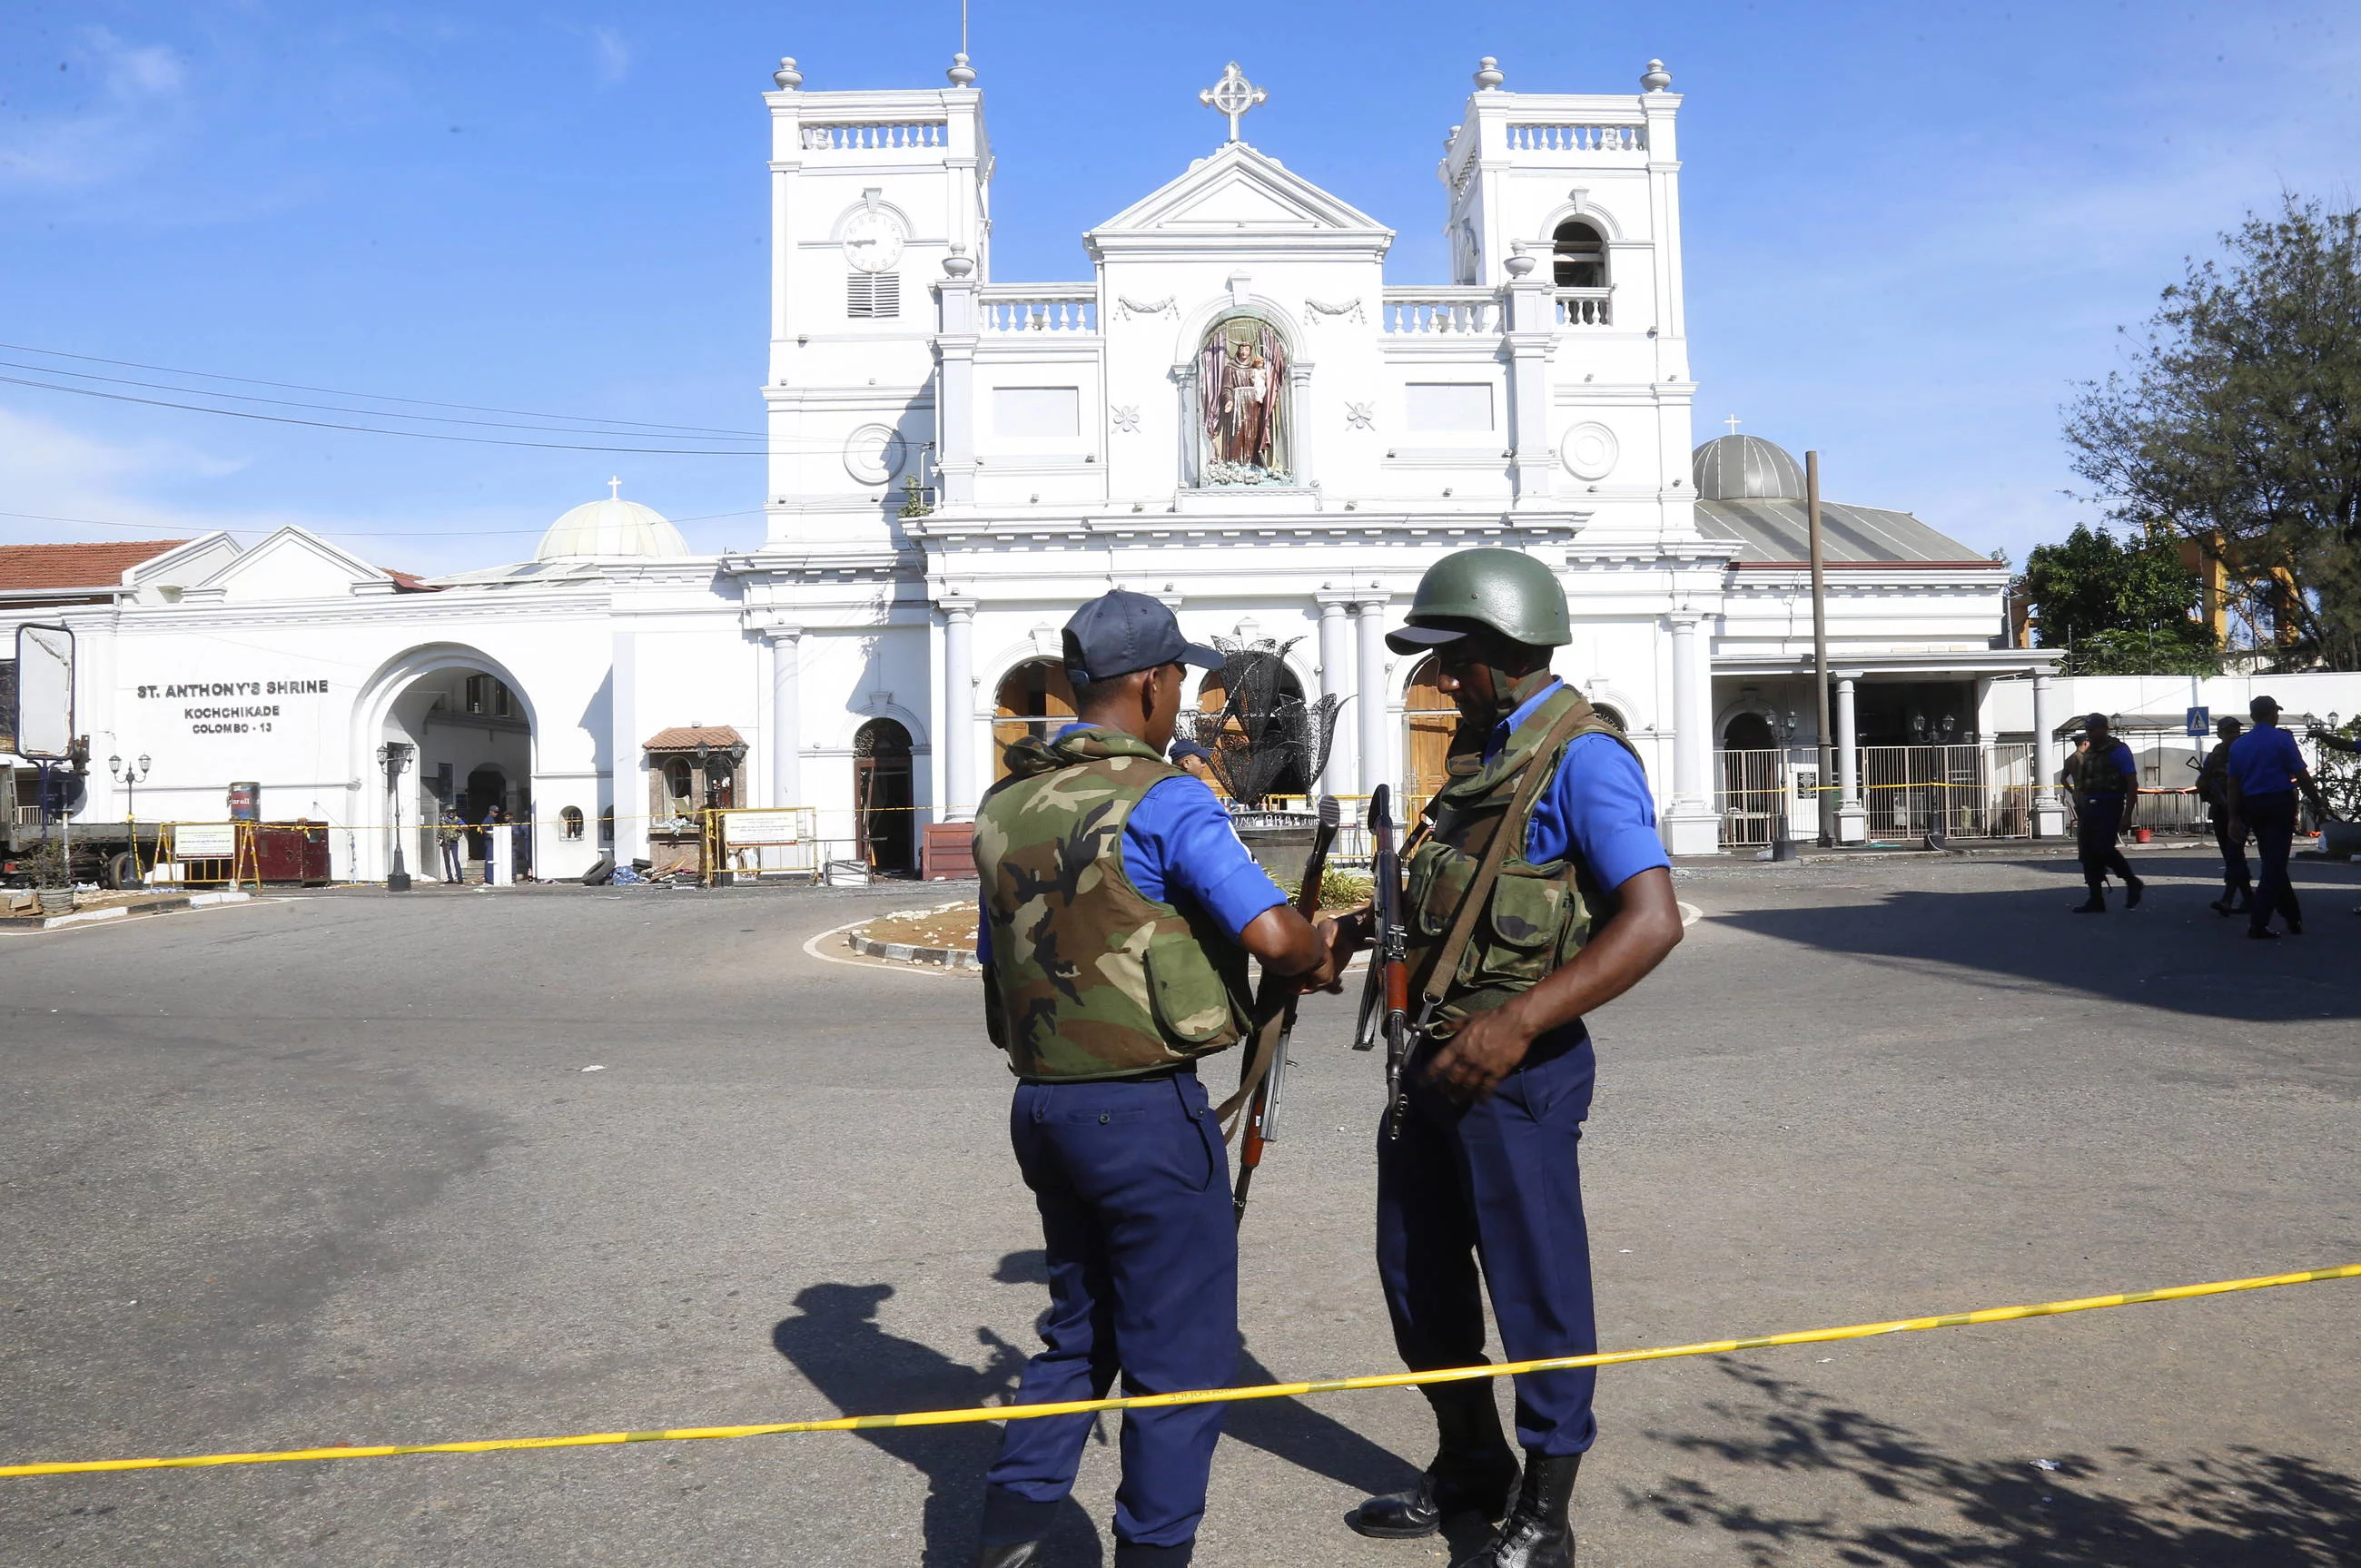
{"x": 1033, "y": 699}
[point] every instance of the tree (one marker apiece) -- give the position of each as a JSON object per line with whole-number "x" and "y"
{"x": 2119, "y": 608}
{"x": 2239, "y": 423}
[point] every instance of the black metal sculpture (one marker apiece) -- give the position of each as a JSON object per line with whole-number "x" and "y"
{"x": 1261, "y": 733}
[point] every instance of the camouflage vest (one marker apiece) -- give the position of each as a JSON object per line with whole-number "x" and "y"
{"x": 1538, "y": 915}
{"x": 2099, "y": 774}
{"x": 1089, "y": 977}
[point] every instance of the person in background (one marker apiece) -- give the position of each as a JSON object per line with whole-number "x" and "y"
{"x": 2213, "y": 789}
{"x": 448, "y": 831}
{"x": 1197, "y": 761}
{"x": 2105, "y": 782}
{"x": 2336, "y": 742}
{"x": 2265, "y": 769}
{"x": 520, "y": 844}
{"x": 2070, "y": 777}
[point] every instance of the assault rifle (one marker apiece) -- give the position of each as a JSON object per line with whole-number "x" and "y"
{"x": 1385, "y": 997}
{"x": 1265, "y": 1069}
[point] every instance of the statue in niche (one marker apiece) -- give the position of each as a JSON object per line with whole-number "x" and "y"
{"x": 1241, "y": 384}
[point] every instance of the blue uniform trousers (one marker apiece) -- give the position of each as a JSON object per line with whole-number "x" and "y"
{"x": 1497, "y": 1182}
{"x": 1132, "y": 1184}
{"x": 2097, "y": 825}
{"x": 2272, "y": 817}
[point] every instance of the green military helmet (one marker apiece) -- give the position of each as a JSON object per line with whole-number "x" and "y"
{"x": 1509, "y": 593}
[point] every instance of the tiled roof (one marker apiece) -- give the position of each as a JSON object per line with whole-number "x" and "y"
{"x": 411, "y": 583}
{"x": 689, "y": 737}
{"x": 29, "y": 567}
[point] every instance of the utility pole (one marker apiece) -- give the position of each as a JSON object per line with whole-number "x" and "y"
{"x": 1819, "y": 642}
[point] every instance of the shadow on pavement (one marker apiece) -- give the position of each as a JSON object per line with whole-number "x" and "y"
{"x": 2241, "y": 1508}
{"x": 837, "y": 1342}
{"x": 2172, "y": 952}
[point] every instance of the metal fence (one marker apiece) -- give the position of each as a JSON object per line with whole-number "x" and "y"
{"x": 1963, "y": 792}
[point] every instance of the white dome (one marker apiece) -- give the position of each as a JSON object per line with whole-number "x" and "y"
{"x": 608, "y": 528}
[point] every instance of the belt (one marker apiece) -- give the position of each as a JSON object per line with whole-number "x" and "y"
{"x": 1153, "y": 1075}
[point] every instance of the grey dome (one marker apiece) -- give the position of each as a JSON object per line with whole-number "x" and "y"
{"x": 1745, "y": 469}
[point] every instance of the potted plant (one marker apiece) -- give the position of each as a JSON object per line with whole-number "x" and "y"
{"x": 46, "y": 864}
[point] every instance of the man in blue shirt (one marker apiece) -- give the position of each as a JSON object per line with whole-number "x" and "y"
{"x": 2106, "y": 780}
{"x": 2265, "y": 769}
{"x": 1118, "y": 909}
{"x": 1479, "y": 1183}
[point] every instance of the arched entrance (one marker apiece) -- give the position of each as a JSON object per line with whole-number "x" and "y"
{"x": 883, "y": 796}
{"x": 469, "y": 735}
{"x": 1428, "y": 722}
{"x": 1748, "y": 732}
{"x": 1035, "y": 699}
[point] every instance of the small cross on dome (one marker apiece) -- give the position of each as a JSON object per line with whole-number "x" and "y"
{"x": 1733, "y": 422}
{"x": 615, "y": 489}
{"x": 1232, "y": 95}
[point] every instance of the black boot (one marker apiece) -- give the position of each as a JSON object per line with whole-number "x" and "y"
{"x": 2095, "y": 904}
{"x": 1536, "y": 1533}
{"x": 2132, "y": 887}
{"x": 1475, "y": 1470}
{"x": 1132, "y": 1555}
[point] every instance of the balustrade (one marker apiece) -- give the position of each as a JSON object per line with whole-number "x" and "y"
{"x": 881, "y": 135}
{"x": 1584, "y": 307}
{"x": 1067, "y": 308}
{"x": 1577, "y": 138}
{"x": 1434, "y": 312}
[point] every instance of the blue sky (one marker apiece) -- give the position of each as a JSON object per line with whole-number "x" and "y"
{"x": 1909, "y": 227}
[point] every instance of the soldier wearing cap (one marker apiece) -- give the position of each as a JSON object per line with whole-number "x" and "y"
{"x": 2266, "y": 768}
{"x": 2105, "y": 781}
{"x": 1480, "y": 1160}
{"x": 1119, "y": 908}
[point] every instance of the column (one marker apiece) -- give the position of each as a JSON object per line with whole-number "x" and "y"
{"x": 955, "y": 385}
{"x": 1532, "y": 327}
{"x": 1371, "y": 695}
{"x": 786, "y": 713}
{"x": 1691, "y": 827}
{"x": 1853, "y": 818}
{"x": 2048, "y": 811}
{"x": 958, "y": 709}
{"x": 1337, "y": 681}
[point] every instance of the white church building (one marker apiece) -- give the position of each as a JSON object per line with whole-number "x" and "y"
{"x": 1231, "y": 407}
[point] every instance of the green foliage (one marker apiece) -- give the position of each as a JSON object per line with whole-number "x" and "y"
{"x": 45, "y": 862}
{"x": 2240, "y": 417}
{"x": 1339, "y": 889}
{"x": 2120, "y": 607}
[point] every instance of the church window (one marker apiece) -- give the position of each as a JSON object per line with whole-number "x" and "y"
{"x": 569, "y": 822}
{"x": 873, "y": 296}
{"x": 1578, "y": 255}
{"x": 488, "y": 694}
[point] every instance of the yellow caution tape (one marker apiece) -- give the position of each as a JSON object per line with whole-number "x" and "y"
{"x": 1204, "y": 1395}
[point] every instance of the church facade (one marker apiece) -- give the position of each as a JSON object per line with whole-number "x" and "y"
{"x": 1231, "y": 408}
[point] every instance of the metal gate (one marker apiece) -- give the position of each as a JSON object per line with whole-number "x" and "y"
{"x": 1966, "y": 792}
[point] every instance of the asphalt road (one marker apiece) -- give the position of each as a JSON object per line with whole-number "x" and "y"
{"x": 331, "y": 1169}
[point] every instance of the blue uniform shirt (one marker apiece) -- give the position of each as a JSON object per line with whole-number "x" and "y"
{"x": 2121, "y": 756}
{"x": 1179, "y": 848}
{"x": 1597, "y": 810}
{"x": 2264, "y": 760}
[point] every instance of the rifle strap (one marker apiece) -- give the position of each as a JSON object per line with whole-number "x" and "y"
{"x": 1271, "y": 1032}
{"x": 1505, "y": 832}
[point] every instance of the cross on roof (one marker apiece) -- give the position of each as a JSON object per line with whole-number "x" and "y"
{"x": 1232, "y": 95}
{"x": 615, "y": 489}
{"x": 1733, "y": 422}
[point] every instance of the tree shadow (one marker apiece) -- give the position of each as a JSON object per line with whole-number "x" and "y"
{"x": 2234, "y": 1509}
{"x": 2170, "y": 953}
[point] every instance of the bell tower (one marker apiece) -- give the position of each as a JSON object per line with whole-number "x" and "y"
{"x": 871, "y": 191}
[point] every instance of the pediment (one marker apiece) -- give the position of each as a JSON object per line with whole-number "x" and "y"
{"x": 293, "y": 565}
{"x": 1239, "y": 191}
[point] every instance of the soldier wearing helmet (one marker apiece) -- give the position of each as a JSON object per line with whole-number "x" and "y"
{"x": 1480, "y": 1161}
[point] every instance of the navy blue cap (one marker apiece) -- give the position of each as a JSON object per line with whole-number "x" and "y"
{"x": 1118, "y": 632}
{"x": 1181, "y": 751}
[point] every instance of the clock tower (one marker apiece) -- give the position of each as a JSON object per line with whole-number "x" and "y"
{"x": 871, "y": 191}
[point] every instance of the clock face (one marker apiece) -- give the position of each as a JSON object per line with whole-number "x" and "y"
{"x": 872, "y": 240}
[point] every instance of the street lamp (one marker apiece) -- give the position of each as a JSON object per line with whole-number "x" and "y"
{"x": 396, "y": 755}
{"x": 131, "y": 774}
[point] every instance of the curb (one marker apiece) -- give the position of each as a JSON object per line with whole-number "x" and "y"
{"x": 910, "y": 953}
{"x": 152, "y": 906}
